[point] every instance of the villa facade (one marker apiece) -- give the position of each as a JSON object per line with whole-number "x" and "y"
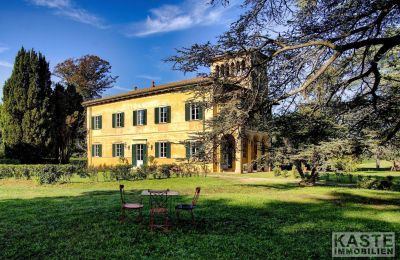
{"x": 161, "y": 120}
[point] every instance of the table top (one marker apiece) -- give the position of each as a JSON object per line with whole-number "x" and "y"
{"x": 169, "y": 193}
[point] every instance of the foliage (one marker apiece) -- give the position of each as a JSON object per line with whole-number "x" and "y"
{"x": 9, "y": 161}
{"x": 90, "y": 74}
{"x": 376, "y": 183}
{"x": 242, "y": 218}
{"x": 43, "y": 173}
{"x": 68, "y": 118}
{"x": 27, "y": 109}
{"x": 277, "y": 171}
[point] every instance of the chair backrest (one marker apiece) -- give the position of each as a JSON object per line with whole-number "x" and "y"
{"x": 158, "y": 198}
{"x": 196, "y": 196}
{"x": 121, "y": 192}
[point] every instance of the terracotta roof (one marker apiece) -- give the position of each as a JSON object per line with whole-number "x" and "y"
{"x": 148, "y": 91}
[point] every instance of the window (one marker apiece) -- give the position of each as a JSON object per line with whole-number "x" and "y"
{"x": 118, "y": 120}
{"x": 217, "y": 71}
{"x": 194, "y": 148}
{"x": 96, "y": 122}
{"x": 118, "y": 150}
{"x": 140, "y": 117}
{"x": 163, "y": 114}
{"x": 96, "y": 150}
{"x": 194, "y": 112}
{"x": 163, "y": 150}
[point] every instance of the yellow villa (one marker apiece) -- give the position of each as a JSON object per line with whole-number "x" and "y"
{"x": 160, "y": 121}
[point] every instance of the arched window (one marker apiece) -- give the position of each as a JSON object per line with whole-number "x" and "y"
{"x": 243, "y": 66}
{"x": 237, "y": 68}
{"x": 217, "y": 71}
{"x": 226, "y": 70}
{"x": 233, "y": 69}
{"x": 222, "y": 71}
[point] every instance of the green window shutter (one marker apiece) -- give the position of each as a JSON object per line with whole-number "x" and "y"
{"x": 122, "y": 119}
{"x": 187, "y": 112}
{"x": 200, "y": 111}
{"x": 145, "y": 154}
{"x": 92, "y": 122}
{"x": 157, "y": 150}
{"x": 187, "y": 146}
{"x": 113, "y": 150}
{"x": 122, "y": 151}
{"x": 100, "y": 122}
{"x": 168, "y": 150}
{"x": 168, "y": 114}
{"x": 134, "y": 154}
{"x": 145, "y": 117}
{"x": 114, "y": 119}
{"x": 134, "y": 117}
{"x": 92, "y": 150}
{"x": 100, "y": 150}
{"x": 156, "y": 115}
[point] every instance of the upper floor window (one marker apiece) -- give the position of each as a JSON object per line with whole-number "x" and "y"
{"x": 162, "y": 114}
{"x": 118, "y": 120}
{"x": 140, "y": 117}
{"x": 96, "y": 122}
{"x": 193, "y": 111}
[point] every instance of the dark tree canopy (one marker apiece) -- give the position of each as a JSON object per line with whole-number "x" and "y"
{"x": 27, "y": 110}
{"x": 331, "y": 51}
{"x": 90, "y": 74}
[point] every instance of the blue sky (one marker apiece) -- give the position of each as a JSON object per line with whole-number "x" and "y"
{"x": 134, "y": 36}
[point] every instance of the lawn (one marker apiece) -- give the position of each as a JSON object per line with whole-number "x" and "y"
{"x": 239, "y": 216}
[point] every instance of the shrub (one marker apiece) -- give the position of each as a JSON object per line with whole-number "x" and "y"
{"x": 295, "y": 172}
{"x": 9, "y": 161}
{"x": 285, "y": 173}
{"x": 376, "y": 184}
{"x": 164, "y": 170}
{"x": 43, "y": 173}
{"x": 122, "y": 172}
{"x": 277, "y": 171}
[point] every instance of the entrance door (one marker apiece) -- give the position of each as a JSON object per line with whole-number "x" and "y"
{"x": 139, "y": 154}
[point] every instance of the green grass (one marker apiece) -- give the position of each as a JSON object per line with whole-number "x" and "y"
{"x": 239, "y": 216}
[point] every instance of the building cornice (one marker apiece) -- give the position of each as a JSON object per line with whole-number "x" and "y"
{"x": 155, "y": 90}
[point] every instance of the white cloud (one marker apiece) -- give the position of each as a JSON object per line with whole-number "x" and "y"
{"x": 6, "y": 64}
{"x": 3, "y": 49}
{"x": 168, "y": 18}
{"x": 149, "y": 77}
{"x": 66, "y": 8}
{"x": 122, "y": 88}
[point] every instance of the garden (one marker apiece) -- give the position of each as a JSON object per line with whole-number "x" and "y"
{"x": 256, "y": 215}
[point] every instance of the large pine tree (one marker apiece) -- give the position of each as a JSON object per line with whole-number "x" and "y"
{"x": 27, "y": 120}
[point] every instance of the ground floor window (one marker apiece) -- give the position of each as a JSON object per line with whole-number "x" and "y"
{"x": 96, "y": 150}
{"x": 163, "y": 149}
{"x": 118, "y": 150}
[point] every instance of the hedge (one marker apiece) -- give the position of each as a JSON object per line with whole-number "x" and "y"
{"x": 43, "y": 173}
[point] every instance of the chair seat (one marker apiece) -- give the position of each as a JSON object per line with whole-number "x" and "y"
{"x": 185, "y": 206}
{"x": 159, "y": 210}
{"x": 132, "y": 206}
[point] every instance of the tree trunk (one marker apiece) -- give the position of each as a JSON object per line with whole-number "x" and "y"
{"x": 299, "y": 169}
{"x": 378, "y": 162}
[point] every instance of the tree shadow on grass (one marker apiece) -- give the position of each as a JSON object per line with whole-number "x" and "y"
{"x": 275, "y": 186}
{"x": 87, "y": 226}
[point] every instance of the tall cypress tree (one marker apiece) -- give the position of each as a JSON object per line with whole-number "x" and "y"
{"x": 28, "y": 112}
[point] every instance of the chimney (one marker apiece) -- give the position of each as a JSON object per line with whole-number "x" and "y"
{"x": 135, "y": 88}
{"x": 153, "y": 84}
